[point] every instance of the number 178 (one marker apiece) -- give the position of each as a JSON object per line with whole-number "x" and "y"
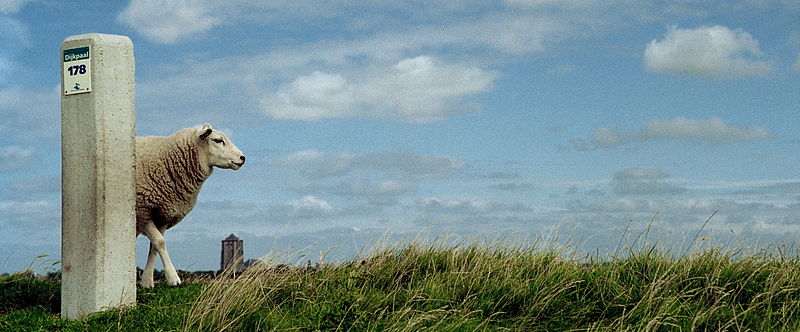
{"x": 75, "y": 70}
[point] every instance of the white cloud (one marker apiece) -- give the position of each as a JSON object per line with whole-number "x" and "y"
{"x": 369, "y": 189}
{"x": 6, "y": 65}
{"x": 797, "y": 64}
{"x": 707, "y": 51}
{"x": 168, "y": 22}
{"x": 476, "y": 213}
{"x": 14, "y": 33}
{"x": 379, "y": 179}
{"x": 12, "y": 6}
{"x": 32, "y": 208}
{"x": 640, "y": 174}
{"x": 648, "y": 206}
{"x": 383, "y": 193}
{"x": 648, "y": 193}
{"x": 509, "y": 31}
{"x": 512, "y": 34}
{"x": 316, "y": 164}
{"x": 29, "y": 222}
{"x": 530, "y": 3}
{"x": 514, "y": 186}
{"x": 636, "y": 181}
{"x": 782, "y": 188}
{"x": 313, "y": 97}
{"x": 506, "y": 33}
{"x": 712, "y": 131}
{"x": 416, "y": 90}
{"x": 15, "y": 157}
{"x": 689, "y": 213}
{"x": 310, "y": 205}
{"x": 36, "y": 185}
{"x": 606, "y": 137}
{"x": 554, "y": 3}
{"x": 420, "y": 90}
{"x": 455, "y": 205}
{"x": 374, "y": 75}
{"x": 28, "y": 114}
{"x": 14, "y": 37}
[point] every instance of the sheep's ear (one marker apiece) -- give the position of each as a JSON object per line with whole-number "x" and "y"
{"x": 205, "y": 131}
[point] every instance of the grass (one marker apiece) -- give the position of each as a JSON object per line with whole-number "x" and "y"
{"x": 432, "y": 286}
{"x": 426, "y": 286}
{"x": 30, "y": 304}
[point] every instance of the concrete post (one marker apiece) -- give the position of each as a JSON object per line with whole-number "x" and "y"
{"x": 98, "y": 221}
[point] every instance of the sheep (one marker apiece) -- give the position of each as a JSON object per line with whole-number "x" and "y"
{"x": 169, "y": 173}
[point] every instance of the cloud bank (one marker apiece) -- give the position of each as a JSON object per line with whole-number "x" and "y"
{"x": 314, "y": 164}
{"x": 14, "y": 37}
{"x": 711, "y": 131}
{"x": 710, "y": 51}
{"x": 636, "y": 181}
{"x": 416, "y": 90}
{"x": 797, "y": 64}
{"x": 15, "y": 158}
{"x": 168, "y": 22}
{"x": 402, "y": 70}
{"x": 12, "y": 6}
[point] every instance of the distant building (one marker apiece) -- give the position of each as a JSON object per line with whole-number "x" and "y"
{"x": 232, "y": 253}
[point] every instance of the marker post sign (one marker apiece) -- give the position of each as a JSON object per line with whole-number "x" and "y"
{"x": 77, "y": 71}
{"x": 98, "y": 196}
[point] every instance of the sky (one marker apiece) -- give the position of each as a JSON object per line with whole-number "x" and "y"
{"x": 575, "y": 123}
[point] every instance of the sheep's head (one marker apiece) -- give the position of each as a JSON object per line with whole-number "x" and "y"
{"x": 222, "y": 152}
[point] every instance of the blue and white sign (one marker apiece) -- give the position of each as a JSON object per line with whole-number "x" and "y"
{"x": 77, "y": 71}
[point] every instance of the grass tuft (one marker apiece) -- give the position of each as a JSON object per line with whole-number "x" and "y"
{"x": 24, "y": 290}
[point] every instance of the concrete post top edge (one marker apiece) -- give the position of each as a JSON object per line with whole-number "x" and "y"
{"x": 100, "y": 38}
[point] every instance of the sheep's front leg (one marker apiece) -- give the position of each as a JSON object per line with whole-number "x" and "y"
{"x": 157, "y": 241}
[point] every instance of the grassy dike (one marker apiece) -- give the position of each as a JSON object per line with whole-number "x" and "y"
{"x": 458, "y": 288}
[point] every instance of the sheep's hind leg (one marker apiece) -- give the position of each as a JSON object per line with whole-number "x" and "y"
{"x": 157, "y": 241}
{"x": 175, "y": 280}
{"x": 147, "y": 274}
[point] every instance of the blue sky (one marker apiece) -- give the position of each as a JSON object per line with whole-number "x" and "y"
{"x": 506, "y": 120}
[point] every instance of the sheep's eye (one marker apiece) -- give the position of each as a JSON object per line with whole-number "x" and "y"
{"x": 218, "y": 140}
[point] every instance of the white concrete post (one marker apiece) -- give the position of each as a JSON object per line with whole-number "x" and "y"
{"x": 98, "y": 198}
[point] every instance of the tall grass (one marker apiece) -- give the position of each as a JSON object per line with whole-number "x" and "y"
{"x": 487, "y": 286}
{"x": 452, "y": 286}
{"x": 23, "y": 290}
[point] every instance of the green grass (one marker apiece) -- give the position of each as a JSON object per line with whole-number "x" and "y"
{"x": 30, "y": 304}
{"x": 464, "y": 288}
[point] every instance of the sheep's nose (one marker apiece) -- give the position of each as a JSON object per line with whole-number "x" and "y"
{"x": 242, "y": 159}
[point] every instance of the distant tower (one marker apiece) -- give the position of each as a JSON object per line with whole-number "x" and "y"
{"x": 232, "y": 252}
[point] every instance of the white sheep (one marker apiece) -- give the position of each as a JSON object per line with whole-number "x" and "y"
{"x": 169, "y": 173}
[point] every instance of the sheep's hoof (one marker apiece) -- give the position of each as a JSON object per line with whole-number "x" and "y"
{"x": 174, "y": 282}
{"x": 146, "y": 283}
